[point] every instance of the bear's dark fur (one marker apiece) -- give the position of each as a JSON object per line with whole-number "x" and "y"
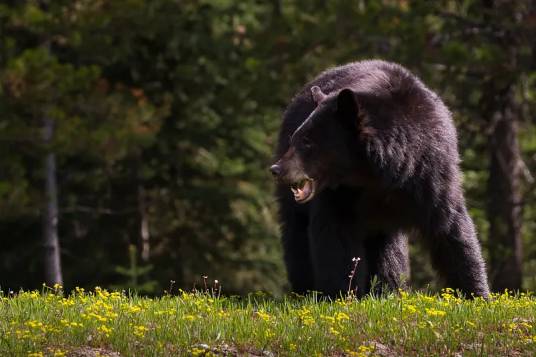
{"x": 371, "y": 156}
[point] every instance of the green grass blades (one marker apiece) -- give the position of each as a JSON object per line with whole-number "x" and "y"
{"x": 104, "y": 323}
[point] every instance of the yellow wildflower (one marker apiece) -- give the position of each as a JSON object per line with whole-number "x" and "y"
{"x": 435, "y": 312}
{"x": 264, "y": 315}
{"x": 133, "y": 309}
{"x": 200, "y": 351}
{"x": 189, "y": 317}
{"x": 140, "y": 331}
{"x": 428, "y": 299}
{"x": 328, "y": 319}
{"x": 67, "y": 302}
{"x": 305, "y": 316}
{"x": 105, "y": 330}
{"x": 223, "y": 313}
{"x": 341, "y": 316}
{"x": 363, "y": 351}
{"x": 36, "y": 325}
{"x": 269, "y": 334}
{"x": 334, "y": 332}
{"x": 410, "y": 309}
{"x": 35, "y": 354}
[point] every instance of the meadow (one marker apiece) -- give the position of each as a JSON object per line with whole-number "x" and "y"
{"x": 109, "y": 323}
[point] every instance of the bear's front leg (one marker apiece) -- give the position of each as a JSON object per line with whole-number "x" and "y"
{"x": 295, "y": 240}
{"x": 388, "y": 257}
{"x": 335, "y": 241}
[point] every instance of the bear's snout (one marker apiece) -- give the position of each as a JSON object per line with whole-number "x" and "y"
{"x": 275, "y": 170}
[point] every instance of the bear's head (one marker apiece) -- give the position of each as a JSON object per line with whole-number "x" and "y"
{"x": 327, "y": 149}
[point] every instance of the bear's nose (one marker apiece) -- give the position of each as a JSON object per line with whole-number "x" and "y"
{"x": 275, "y": 170}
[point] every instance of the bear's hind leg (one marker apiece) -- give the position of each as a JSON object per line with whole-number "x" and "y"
{"x": 456, "y": 254}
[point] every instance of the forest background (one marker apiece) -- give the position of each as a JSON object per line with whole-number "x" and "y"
{"x": 135, "y": 136}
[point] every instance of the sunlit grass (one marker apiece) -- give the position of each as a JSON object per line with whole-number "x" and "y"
{"x": 47, "y": 323}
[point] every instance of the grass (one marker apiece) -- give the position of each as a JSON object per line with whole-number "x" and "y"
{"x": 103, "y": 323}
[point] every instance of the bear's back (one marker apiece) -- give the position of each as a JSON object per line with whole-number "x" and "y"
{"x": 369, "y": 76}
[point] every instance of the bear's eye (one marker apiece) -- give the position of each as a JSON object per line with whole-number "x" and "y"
{"x": 306, "y": 143}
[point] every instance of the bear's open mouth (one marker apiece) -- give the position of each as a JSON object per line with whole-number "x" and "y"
{"x": 303, "y": 190}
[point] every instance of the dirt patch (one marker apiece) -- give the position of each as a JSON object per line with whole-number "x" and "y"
{"x": 232, "y": 351}
{"x": 92, "y": 352}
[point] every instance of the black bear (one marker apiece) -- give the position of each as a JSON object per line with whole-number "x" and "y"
{"x": 367, "y": 154}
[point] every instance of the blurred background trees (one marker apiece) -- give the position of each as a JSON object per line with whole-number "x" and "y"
{"x": 161, "y": 117}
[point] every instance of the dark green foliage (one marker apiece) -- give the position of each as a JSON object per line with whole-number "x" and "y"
{"x": 166, "y": 112}
{"x": 134, "y": 275}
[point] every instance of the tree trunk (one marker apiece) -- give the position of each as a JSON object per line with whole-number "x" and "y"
{"x": 144, "y": 225}
{"x": 51, "y": 244}
{"x": 504, "y": 193}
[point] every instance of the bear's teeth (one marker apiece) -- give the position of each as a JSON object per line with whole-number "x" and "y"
{"x": 302, "y": 189}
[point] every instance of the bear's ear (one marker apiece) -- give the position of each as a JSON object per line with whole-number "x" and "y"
{"x": 318, "y": 95}
{"x": 348, "y": 107}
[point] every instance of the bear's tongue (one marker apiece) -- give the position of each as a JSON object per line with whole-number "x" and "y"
{"x": 302, "y": 190}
